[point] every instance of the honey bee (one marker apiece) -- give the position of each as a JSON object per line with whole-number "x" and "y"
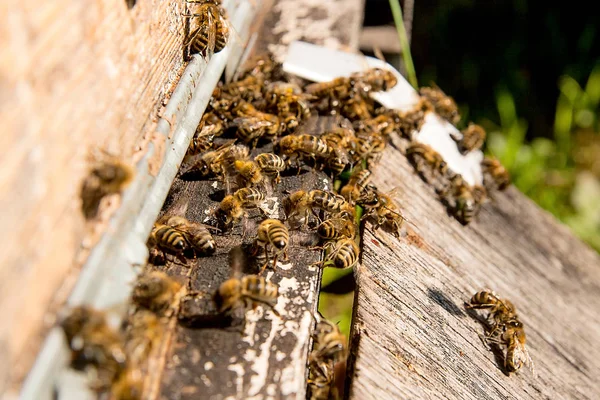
{"x": 249, "y": 172}
{"x": 336, "y": 228}
{"x": 500, "y": 310}
{"x": 212, "y": 30}
{"x": 374, "y": 80}
{"x": 210, "y": 126}
{"x": 263, "y": 67}
{"x": 514, "y": 339}
{"x": 339, "y": 137}
{"x": 155, "y": 290}
{"x": 444, "y": 105}
{"x": 107, "y": 177}
{"x": 342, "y": 254}
{"x": 356, "y": 108}
{"x": 302, "y": 147}
{"x": 320, "y": 381}
{"x": 356, "y": 185}
{"x": 467, "y": 200}
{"x": 270, "y": 164}
{"x": 329, "y": 342}
{"x": 337, "y": 88}
{"x": 274, "y": 234}
{"x": 495, "y": 176}
{"x": 411, "y": 121}
{"x": 248, "y": 89}
{"x": 382, "y": 124}
{"x": 197, "y": 235}
{"x": 231, "y": 208}
{"x": 382, "y": 209}
{"x": 128, "y": 386}
{"x": 426, "y": 160}
{"x": 93, "y": 343}
{"x": 252, "y": 129}
{"x": 212, "y": 162}
{"x": 473, "y": 138}
{"x": 288, "y": 101}
{"x": 168, "y": 238}
{"x": 302, "y": 202}
{"x": 144, "y": 329}
{"x": 369, "y": 148}
{"x": 337, "y": 161}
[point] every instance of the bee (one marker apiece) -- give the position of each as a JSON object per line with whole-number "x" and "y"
{"x": 270, "y": 164}
{"x": 168, "y": 238}
{"x": 249, "y": 172}
{"x": 425, "y": 159}
{"x": 320, "y": 381}
{"x": 382, "y": 209}
{"x": 197, "y": 235}
{"x": 210, "y": 126}
{"x": 107, "y": 177}
{"x": 288, "y": 101}
{"x": 516, "y": 353}
{"x": 374, "y": 80}
{"x": 248, "y": 89}
{"x": 263, "y": 67}
{"x": 495, "y": 176}
{"x": 252, "y": 129}
{"x": 337, "y": 161}
{"x": 369, "y": 148}
{"x": 408, "y": 122}
{"x": 467, "y": 200}
{"x": 500, "y": 310}
{"x": 342, "y": 254}
{"x": 303, "y": 147}
{"x": 212, "y": 30}
{"x": 356, "y": 185}
{"x": 302, "y": 202}
{"x": 329, "y": 342}
{"x": 128, "y": 386}
{"x": 155, "y": 290}
{"x": 144, "y": 329}
{"x": 211, "y": 162}
{"x": 472, "y": 138}
{"x": 93, "y": 343}
{"x": 231, "y": 208}
{"x": 444, "y": 105}
{"x": 337, "y": 88}
{"x": 382, "y": 124}
{"x": 356, "y": 108}
{"x": 336, "y": 228}
{"x": 339, "y": 137}
{"x": 274, "y": 234}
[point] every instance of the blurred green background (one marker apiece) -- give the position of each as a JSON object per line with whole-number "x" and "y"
{"x": 529, "y": 72}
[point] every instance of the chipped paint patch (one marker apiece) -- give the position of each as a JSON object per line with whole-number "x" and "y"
{"x": 208, "y": 366}
{"x": 286, "y": 267}
{"x": 215, "y": 184}
{"x": 288, "y": 283}
{"x": 260, "y": 362}
{"x": 271, "y": 207}
{"x": 292, "y": 377}
{"x": 252, "y": 317}
{"x": 280, "y": 355}
{"x": 239, "y": 377}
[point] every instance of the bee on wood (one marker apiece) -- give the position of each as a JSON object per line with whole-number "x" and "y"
{"x": 411, "y": 121}
{"x": 336, "y": 228}
{"x": 245, "y": 90}
{"x": 382, "y": 209}
{"x": 270, "y": 164}
{"x": 340, "y": 137}
{"x": 212, "y": 31}
{"x": 464, "y": 200}
{"x": 500, "y": 311}
{"x": 329, "y": 342}
{"x": 167, "y": 238}
{"x": 143, "y": 331}
{"x": 373, "y": 80}
{"x": 427, "y": 162}
{"x": 251, "y": 129}
{"x": 342, "y": 254}
{"x": 94, "y": 345}
{"x": 273, "y": 235}
{"x": 495, "y": 176}
{"x": 106, "y": 177}
{"x": 320, "y": 381}
{"x": 263, "y": 67}
{"x": 302, "y": 202}
{"x": 129, "y": 385}
{"x": 249, "y": 172}
{"x": 382, "y": 124}
{"x": 210, "y": 127}
{"x": 356, "y": 185}
{"x": 301, "y": 147}
{"x": 473, "y": 138}
{"x": 232, "y": 207}
{"x": 369, "y": 148}
{"x": 338, "y": 88}
{"x": 356, "y": 108}
{"x": 210, "y": 163}
{"x": 337, "y": 161}
{"x": 197, "y": 235}
{"x": 288, "y": 101}
{"x": 514, "y": 339}
{"x": 242, "y": 294}
{"x": 155, "y": 291}
{"x": 444, "y": 105}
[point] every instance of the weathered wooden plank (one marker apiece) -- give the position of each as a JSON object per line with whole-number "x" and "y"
{"x": 412, "y": 337}
{"x": 74, "y": 76}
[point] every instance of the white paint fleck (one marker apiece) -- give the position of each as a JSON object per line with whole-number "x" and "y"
{"x": 292, "y": 377}
{"x": 286, "y": 267}
{"x": 280, "y": 355}
{"x": 205, "y": 380}
{"x": 288, "y": 283}
{"x": 261, "y": 362}
{"x": 215, "y": 184}
{"x": 208, "y": 366}
{"x": 252, "y": 317}
{"x": 239, "y": 378}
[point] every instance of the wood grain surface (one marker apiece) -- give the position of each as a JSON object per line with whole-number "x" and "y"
{"x": 74, "y": 76}
{"x": 412, "y": 337}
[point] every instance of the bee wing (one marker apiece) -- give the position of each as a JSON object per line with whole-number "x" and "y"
{"x": 251, "y": 122}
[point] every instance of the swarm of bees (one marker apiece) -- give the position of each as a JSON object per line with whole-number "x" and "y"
{"x": 503, "y": 329}
{"x": 252, "y": 133}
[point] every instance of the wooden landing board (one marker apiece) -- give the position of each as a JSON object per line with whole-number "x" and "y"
{"x": 412, "y": 337}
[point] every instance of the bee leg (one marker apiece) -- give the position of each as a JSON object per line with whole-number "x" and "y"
{"x": 274, "y": 262}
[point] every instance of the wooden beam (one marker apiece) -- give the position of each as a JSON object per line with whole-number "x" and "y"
{"x": 412, "y": 337}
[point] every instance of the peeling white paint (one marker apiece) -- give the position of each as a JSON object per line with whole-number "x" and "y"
{"x": 215, "y": 184}
{"x": 273, "y": 210}
{"x": 280, "y": 355}
{"x": 239, "y": 378}
{"x": 292, "y": 377}
{"x": 286, "y": 267}
{"x": 208, "y": 366}
{"x": 261, "y": 362}
{"x": 288, "y": 283}
{"x": 252, "y": 317}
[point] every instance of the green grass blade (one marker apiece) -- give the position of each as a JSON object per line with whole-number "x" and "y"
{"x": 406, "y": 55}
